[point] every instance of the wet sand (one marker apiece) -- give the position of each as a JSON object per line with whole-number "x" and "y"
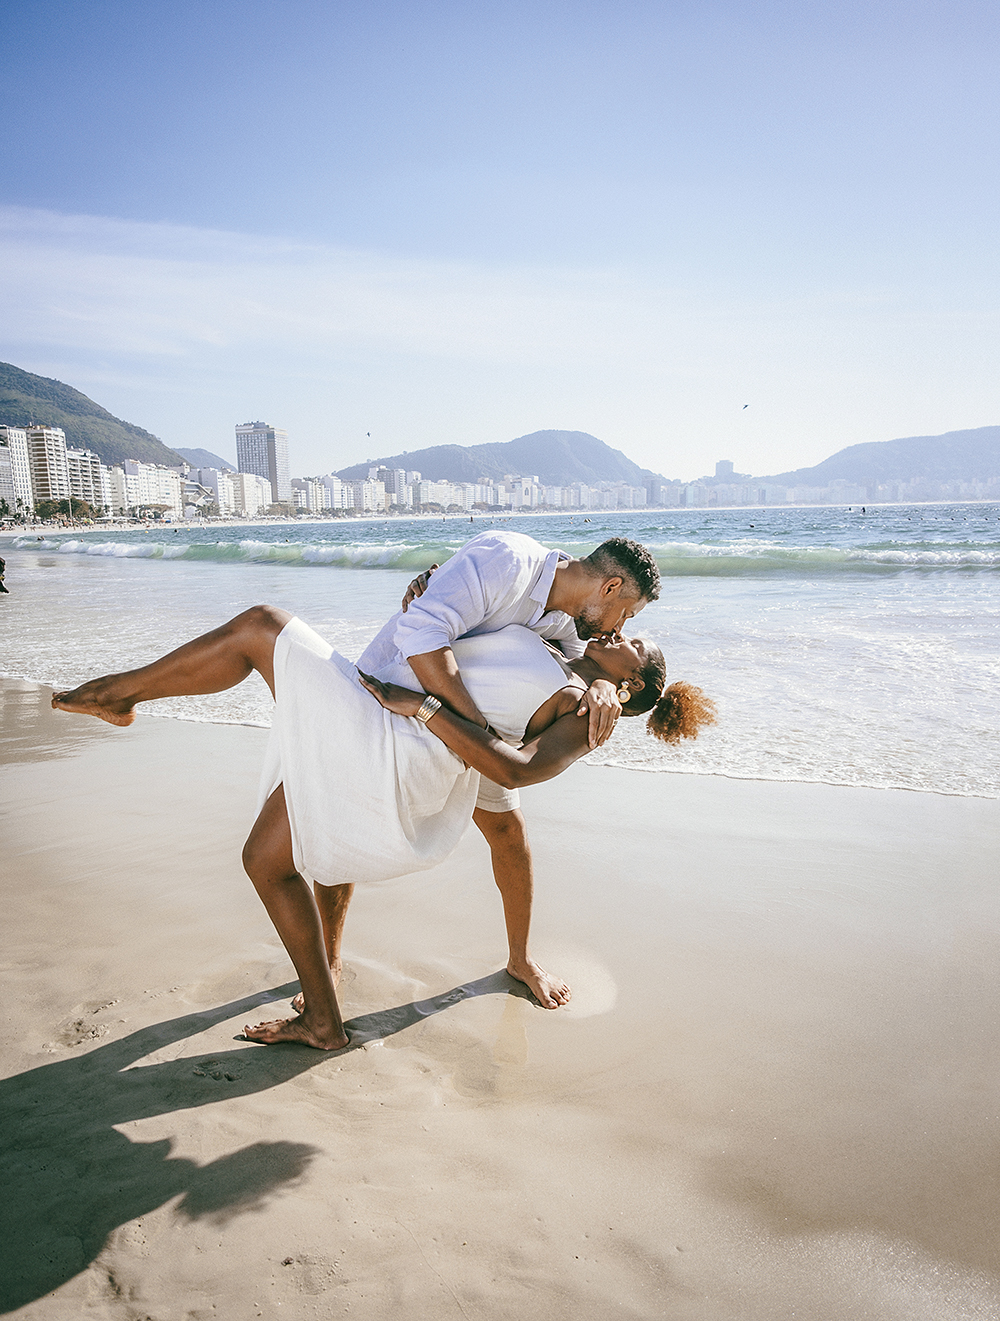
{"x": 773, "y": 1096}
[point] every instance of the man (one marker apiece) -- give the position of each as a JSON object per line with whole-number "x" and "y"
{"x": 496, "y": 579}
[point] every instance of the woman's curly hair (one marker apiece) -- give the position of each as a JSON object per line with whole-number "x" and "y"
{"x": 676, "y": 712}
{"x": 680, "y": 713}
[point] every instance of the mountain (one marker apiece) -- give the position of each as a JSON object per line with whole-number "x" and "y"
{"x": 957, "y": 456}
{"x": 26, "y": 399}
{"x": 556, "y": 457}
{"x": 205, "y": 459}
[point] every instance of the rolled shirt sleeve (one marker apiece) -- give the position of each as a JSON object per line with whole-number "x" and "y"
{"x": 461, "y": 595}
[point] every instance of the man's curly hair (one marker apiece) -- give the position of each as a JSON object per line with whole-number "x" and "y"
{"x": 621, "y": 558}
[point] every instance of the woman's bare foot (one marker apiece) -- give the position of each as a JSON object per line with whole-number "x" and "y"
{"x": 296, "y": 1029}
{"x": 336, "y": 971}
{"x": 96, "y": 698}
{"x": 550, "y": 992}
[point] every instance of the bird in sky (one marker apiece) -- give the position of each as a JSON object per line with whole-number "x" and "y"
{"x": 746, "y": 405}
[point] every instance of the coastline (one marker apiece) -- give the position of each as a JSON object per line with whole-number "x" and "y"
{"x": 768, "y": 1098}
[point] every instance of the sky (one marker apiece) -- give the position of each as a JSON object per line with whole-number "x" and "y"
{"x": 394, "y": 225}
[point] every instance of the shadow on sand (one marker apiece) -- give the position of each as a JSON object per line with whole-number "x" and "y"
{"x": 68, "y": 1179}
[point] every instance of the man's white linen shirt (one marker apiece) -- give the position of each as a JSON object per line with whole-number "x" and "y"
{"x": 496, "y": 579}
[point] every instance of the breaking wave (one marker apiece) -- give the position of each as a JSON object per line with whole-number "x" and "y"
{"x": 736, "y": 558}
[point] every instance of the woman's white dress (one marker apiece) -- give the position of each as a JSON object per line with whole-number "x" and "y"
{"x": 372, "y": 795}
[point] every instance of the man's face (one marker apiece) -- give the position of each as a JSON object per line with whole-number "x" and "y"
{"x": 606, "y": 610}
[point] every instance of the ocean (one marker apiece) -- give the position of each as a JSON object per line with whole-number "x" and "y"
{"x": 841, "y": 646}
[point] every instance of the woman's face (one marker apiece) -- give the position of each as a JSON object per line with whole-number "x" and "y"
{"x": 619, "y": 660}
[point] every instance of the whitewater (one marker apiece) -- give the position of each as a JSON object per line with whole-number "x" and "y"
{"x": 847, "y": 647}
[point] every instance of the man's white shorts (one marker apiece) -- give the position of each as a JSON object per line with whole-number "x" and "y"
{"x": 494, "y": 799}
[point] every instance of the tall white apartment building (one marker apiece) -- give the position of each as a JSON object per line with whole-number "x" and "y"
{"x": 394, "y": 481}
{"x": 310, "y": 494}
{"x": 263, "y": 449}
{"x": 369, "y": 496}
{"x": 524, "y": 492}
{"x": 220, "y": 482}
{"x": 251, "y": 493}
{"x": 85, "y": 477}
{"x": 340, "y": 495}
{"x": 47, "y": 460}
{"x": 136, "y": 486}
{"x": 432, "y": 493}
{"x": 15, "y": 470}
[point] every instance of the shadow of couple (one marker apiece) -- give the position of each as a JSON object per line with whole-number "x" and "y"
{"x": 69, "y": 1178}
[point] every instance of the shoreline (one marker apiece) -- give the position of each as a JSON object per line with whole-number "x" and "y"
{"x": 46, "y": 689}
{"x": 769, "y": 1096}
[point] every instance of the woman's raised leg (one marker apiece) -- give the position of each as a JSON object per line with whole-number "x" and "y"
{"x": 217, "y": 660}
{"x": 267, "y": 857}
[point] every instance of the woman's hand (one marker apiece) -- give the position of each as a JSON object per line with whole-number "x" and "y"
{"x": 418, "y": 586}
{"x": 601, "y": 701}
{"x": 402, "y": 701}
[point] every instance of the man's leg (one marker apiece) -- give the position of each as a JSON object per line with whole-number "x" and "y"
{"x": 267, "y": 857}
{"x": 217, "y": 660}
{"x": 332, "y": 902}
{"x": 508, "y": 840}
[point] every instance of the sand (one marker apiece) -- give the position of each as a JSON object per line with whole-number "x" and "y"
{"x": 774, "y": 1095}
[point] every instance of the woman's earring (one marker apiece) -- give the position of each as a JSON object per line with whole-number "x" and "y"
{"x": 623, "y": 694}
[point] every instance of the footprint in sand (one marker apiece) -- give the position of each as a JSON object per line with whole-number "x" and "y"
{"x": 85, "y": 1027}
{"x": 211, "y": 1069}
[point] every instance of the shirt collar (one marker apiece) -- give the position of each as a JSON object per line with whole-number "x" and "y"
{"x": 539, "y": 593}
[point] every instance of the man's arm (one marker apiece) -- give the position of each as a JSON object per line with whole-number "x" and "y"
{"x": 437, "y": 673}
{"x": 556, "y": 748}
{"x": 600, "y": 702}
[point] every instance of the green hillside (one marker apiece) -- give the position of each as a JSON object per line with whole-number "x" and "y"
{"x": 26, "y": 398}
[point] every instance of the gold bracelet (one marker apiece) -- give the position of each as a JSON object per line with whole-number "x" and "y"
{"x": 430, "y": 706}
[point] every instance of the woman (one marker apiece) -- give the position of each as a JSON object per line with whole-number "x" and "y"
{"x": 363, "y": 790}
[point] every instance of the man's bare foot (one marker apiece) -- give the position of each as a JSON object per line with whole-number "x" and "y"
{"x": 95, "y": 699}
{"x": 296, "y": 1029}
{"x": 550, "y": 992}
{"x": 336, "y": 971}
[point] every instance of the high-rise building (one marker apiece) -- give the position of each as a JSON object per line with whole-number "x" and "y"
{"x": 15, "y": 470}
{"x": 220, "y": 482}
{"x": 85, "y": 481}
{"x": 135, "y": 487}
{"x": 394, "y": 481}
{"x": 251, "y": 492}
{"x": 340, "y": 495}
{"x": 369, "y": 496}
{"x": 49, "y": 466}
{"x": 309, "y": 493}
{"x": 263, "y": 449}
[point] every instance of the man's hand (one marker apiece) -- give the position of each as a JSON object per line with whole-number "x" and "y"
{"x": 418, "y": 586}
{"x": 601, "y": 700}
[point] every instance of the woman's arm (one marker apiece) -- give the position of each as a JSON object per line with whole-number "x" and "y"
{"x": 557, "y": 747}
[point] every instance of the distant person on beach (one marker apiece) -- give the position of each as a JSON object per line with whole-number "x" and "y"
{"x": 372, "y": 789}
